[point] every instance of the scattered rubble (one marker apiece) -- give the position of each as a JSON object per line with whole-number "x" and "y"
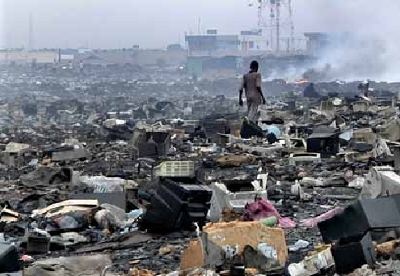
{"x": 103, "y": 174}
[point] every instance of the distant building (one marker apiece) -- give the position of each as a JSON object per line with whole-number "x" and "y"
{"x": 66, "y": 56}
{"x": 316, "y": 43}
{"x": 131, "y": 57}
{"x": 253, "y": 41}
{"x": 212, "y": 44}
{"x": 21, "y": 56}
{"x": 84, "y": 50}
{"x": 174, "y": 47}
{"x": 212, "y": 51}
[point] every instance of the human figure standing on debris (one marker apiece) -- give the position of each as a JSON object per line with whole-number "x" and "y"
{"x": 363, "y": 88}
{"x": 81, "y": 66}
{"x": 251, "y": 83}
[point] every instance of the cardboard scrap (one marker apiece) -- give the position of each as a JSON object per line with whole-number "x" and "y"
{"x": 193, "y": 256}
{"x": 239, "y": 234}
{"x": 386, "y": 249}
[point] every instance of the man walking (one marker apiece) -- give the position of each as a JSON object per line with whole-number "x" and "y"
{"x": 251, "y": 83}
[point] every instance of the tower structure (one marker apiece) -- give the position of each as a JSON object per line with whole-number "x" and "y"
{"x": 275, "y": 21}
{"x": 30, "y": 35}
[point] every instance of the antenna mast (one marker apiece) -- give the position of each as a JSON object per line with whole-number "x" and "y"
{"x": 272, "y": 18}
{"x": 292, "y": 46}
{"x": 30, "y": 35}
{"x": 278, "y": 26}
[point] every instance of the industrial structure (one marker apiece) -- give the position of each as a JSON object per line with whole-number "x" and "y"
{"x": 275, "y": 24}
{"x": 271, "y": 40}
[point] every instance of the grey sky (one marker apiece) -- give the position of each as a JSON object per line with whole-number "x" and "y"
{"x": 156, "y": 23}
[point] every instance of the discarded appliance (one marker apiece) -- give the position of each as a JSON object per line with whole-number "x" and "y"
{"x": 38, "y": 244}
{"x": 175, "y": 169}
{"x": 361, "y": 250}
{"x": 9, "y": 258}
{"x": 151, "y": 143}
{"x": 301, "y": 158}
{"x": 324, "y": 140}
{"x": 235, "y": 194}
{"x": 360, "y": 217}
{"x": 176, "y": 206}
{"x": 380, "y": 181}
{"x": 214, "y": 127}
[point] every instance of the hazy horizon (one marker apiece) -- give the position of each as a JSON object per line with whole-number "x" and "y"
{"x": 114, "y": 24}
{"x": 157, "y": 23}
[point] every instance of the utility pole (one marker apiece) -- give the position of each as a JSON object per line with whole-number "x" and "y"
{"x": 278, "y": 26}
{"x": 30, "y": 38}
{"x": 292, "y": 46}
{"x": 272, "y": 19}
{"x": 199, "y": 27}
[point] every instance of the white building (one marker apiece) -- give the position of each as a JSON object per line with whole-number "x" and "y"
{"x": 253, "y": 41}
